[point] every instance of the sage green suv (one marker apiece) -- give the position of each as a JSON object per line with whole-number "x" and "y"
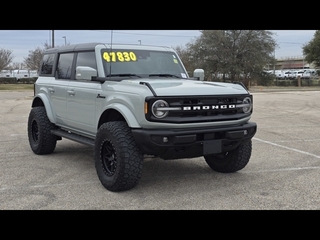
{"x": 132, "y": 101}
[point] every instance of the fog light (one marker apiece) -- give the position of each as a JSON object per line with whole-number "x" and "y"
{"x": 165, "y": 139}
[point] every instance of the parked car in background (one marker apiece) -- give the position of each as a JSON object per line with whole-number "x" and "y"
{"x": 307, "y": 74}
{"x": 5, "y": 73}
{"x": 298, "y": 73}
{"x": 279, "y": 74}
{"x": 24, "y": 73}
{"x": 292, "y": 74}
{"x": 288, "y": 74}
{"x": 282, "y": 75}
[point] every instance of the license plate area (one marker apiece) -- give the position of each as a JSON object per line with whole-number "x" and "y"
{"x": 212, "y": 147}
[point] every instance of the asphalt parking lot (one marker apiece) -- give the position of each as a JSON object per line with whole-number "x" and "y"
{"x": 283, "y": 172}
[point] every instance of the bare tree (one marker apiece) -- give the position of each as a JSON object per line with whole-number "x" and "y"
{"x": 15, "y": 65}
{"x": 6, "y": 58}
{"x": 33, "y": 60}
{"x": 187, "y": 58}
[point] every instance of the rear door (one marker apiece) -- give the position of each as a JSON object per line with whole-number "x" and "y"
{"x": 58, "y": 89}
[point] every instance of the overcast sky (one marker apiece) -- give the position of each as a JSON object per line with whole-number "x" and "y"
{"x": 22, "y": 41}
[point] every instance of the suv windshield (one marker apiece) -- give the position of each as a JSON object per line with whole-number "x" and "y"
{"x": 141, "y": 63}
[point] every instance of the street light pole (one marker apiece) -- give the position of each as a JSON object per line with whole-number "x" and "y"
{"x": 65, "y": 40}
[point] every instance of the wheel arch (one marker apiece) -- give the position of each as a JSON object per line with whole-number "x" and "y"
{"x": 118, "y": 112}
{"x": 42, "y": 100}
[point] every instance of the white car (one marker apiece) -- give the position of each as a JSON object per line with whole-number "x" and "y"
{"x": 298, "y": 73}
{"x": 289, "y": 75}
{"x": 283, "y": 74}
{"x": 307, "y": 74}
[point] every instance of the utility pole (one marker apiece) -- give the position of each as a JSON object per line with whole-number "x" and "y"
{"x": 52, "y": 38}
{"x": 49, "y": 38}
{"x": 274, "y": 63}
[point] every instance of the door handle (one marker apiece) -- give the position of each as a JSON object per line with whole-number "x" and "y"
{"x": 71, "y": 92}
{"x": 51, "y": 90}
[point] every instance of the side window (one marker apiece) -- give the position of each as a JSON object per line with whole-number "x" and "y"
{"x": 65, "y": 65}
{"x": 47, "y": 64}
{"x": 86, "y": 59}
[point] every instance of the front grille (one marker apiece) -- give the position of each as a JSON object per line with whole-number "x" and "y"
{"x": 201, "y": 109}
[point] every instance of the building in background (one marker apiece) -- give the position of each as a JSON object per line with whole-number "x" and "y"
{"x": 291, "y": 63}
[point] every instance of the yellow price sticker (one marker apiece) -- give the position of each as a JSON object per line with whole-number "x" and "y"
{"x": 119, "y": 56}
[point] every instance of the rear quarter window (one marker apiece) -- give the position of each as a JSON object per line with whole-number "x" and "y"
{"x": 47, "y": 63}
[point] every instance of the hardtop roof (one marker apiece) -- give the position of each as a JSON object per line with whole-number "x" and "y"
{"x": 92, "y": 45}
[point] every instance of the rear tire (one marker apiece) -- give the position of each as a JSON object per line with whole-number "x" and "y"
{"x": 118, "y": 160}
{"x": 39, "y": 132}
{"x": 231, "y": 161}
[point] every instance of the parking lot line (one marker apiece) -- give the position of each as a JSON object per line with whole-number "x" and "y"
{"x": 280, "y": 169}
{"x": 289, "y": 148}
{"x": 46, "y": 185}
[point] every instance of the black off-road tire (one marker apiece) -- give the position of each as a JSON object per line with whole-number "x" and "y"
{"x": 118, "y": 160}
{"x": 231, "y": 161}
{"x": 39, "y": 132}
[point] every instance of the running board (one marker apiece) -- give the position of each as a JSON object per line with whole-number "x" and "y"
{"x": 73, "y": 137}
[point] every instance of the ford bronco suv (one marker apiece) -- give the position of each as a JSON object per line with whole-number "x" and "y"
{"x": 132, "y": 101}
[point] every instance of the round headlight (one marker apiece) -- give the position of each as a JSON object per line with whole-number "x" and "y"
{"x": 247, "y": 105}
{"x": 160, "y": 109}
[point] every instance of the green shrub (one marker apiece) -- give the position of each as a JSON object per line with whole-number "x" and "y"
{"x": 13, "y": 80}
{"x": 27, "y": 80}
{"x": 9, "y": 80}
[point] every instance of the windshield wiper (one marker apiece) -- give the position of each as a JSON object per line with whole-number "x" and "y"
{"x": 123, "y": 75}
{"x": 163, "y": 75}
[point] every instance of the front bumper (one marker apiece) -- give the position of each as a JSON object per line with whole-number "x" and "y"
{"x": 195, "y": 142}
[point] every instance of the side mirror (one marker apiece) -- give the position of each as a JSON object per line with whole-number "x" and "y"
{"x": 85, "y": 73}
{"x": 198, "y": 74}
